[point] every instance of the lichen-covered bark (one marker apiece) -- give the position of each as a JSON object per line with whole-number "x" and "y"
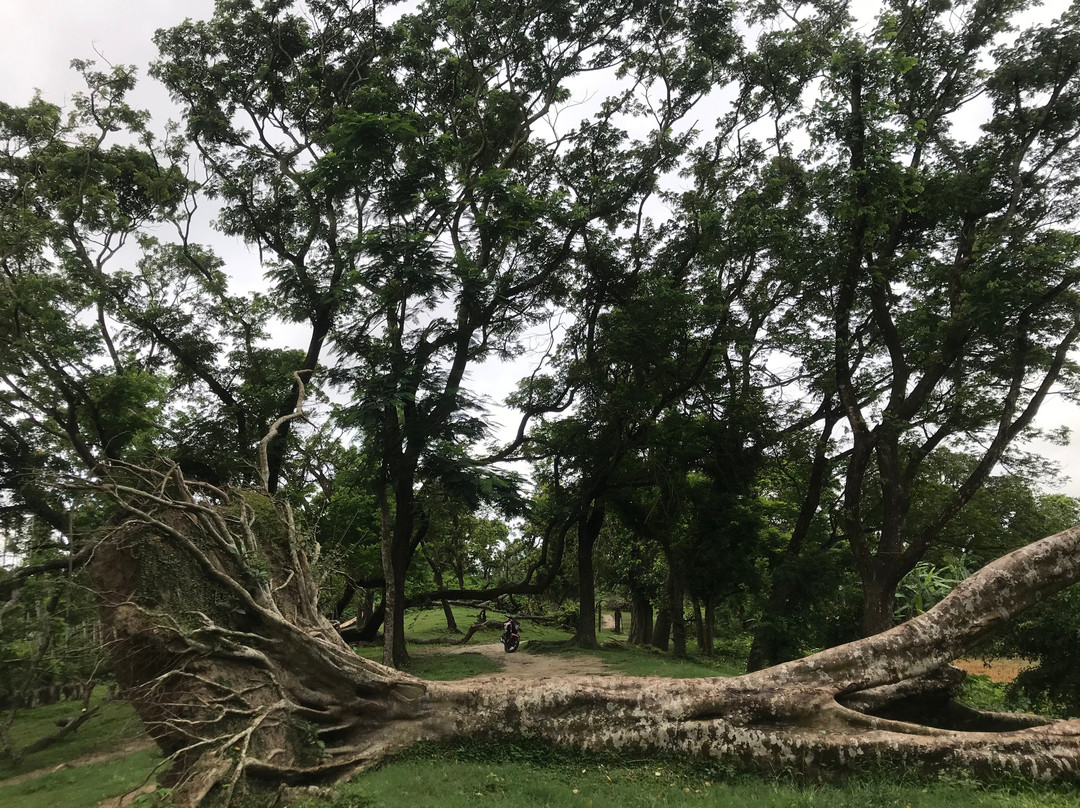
{"x": 217, "y": 639}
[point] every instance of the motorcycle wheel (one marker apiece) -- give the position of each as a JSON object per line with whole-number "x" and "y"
{"x": 511, "y": 645}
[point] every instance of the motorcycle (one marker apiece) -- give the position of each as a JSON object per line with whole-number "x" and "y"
{"x": 510, "y": 638}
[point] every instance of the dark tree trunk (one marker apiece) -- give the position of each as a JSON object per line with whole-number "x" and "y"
{"x": 368, "y": 631}
{"x": 448, "y": 612}
{"x": 211, "y": 619}
{"x": 879, "y": 602}
{"x": 346, "y": 598}
{"x": 661, "y": 633}
{"x": 678, "y": 617}
{"x": 368, "y": 609}
{"x": 768, "y": 640}
{"x": 641, "y": 620}
{"x": 395, "y": 653}
{"x": 769, "y": 645}
{"x": 451, "y": 623}
{"x": 699, "y": 623}
{"x": 665, "y": 617}
{"x": 706, "y": 648}
{"x": 397, "y": 550}
{"x": 588, "y": 532}
{"x": 617, "y": 618}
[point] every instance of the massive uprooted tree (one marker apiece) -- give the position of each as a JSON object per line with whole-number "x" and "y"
{"x": 410, "y": 207}
{"x": 210, "y": 608}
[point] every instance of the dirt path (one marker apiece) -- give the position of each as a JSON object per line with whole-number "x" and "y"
{"x": 523, "y": 665}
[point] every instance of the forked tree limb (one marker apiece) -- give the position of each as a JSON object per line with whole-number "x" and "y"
{"x": 298, "y": 412}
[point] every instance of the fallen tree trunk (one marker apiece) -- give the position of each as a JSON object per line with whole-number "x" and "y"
{"x": 217, "y": 639}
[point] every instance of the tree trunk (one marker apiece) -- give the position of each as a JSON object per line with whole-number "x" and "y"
{"x": 346, "y": 599}
{"x": 213, "y": 627}
{"x": 641, "y": 620}
{"x": 661, "y": 633}
{"x": 397, "y": 550}
{"x": 448, "y": 612}
{"x": 770, "y": 641}
{"x": 710, "y": 627}
{"x": 664, "y": 617}
{"x": 699, "y": 624}
{"x": 879, "y": 604}
{"x": 588, "y": 532}
{"x": 369, "y": 607}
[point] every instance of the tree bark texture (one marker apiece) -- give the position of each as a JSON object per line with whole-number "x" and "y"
{"x": 215, "y": 636}
{"x": 641, "y": 620}
{"x": 588, "y": 532}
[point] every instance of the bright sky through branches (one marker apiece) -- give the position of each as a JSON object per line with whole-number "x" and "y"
{"x": 40, "y": 38}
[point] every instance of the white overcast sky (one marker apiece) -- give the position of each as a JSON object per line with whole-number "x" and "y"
{"x": 38, "y": 39}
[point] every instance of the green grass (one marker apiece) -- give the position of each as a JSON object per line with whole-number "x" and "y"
{"x": 113, "y": 727}
{"x": 83, "y": 786}
{"x": 492, "y": 774}
{"x": 431, "y": 622}
{"x": 636, "y": 661}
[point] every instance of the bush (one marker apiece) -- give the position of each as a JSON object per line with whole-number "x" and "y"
{"x": 1049, "y": 636}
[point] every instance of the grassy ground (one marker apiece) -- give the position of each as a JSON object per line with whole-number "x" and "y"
{"x": 46, "y": 779}
{"x": 115, "y": 726}
{"x": 477, "y": 774}
{"x": 83, "y": 786}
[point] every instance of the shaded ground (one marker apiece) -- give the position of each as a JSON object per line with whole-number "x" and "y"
{"x": 523, "y": 665}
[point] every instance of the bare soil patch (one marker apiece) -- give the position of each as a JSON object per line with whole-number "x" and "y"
{"x": 999, "y": 670}
{"x": 523, "y": 665}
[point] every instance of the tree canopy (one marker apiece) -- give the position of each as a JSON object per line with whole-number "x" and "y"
{"x": 801, "y": 284}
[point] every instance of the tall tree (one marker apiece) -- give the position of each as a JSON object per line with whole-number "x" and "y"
{"x": 937, "y": 265}
{"x": 417, "y": 211}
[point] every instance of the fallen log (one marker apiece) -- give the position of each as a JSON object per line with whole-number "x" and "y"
{"x": 245, "y": 684}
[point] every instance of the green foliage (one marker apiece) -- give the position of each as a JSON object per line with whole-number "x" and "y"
{"x": 925, "y": 585}
{"x": 982, "y": 693}
{"x": 49, "y": 636}
{"x": 1048, "y": 635}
